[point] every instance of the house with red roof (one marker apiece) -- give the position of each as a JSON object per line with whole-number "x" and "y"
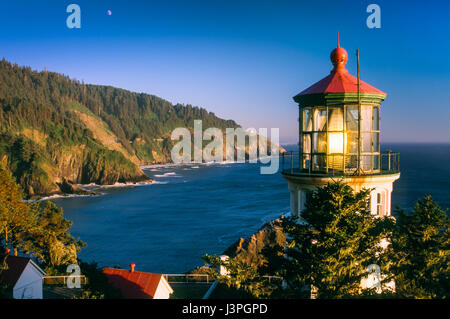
{"x": 137, "y": 284}
{"x": 22, "y": 277}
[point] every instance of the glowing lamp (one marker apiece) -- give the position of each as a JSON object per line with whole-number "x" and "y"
{"x": 336, "y": 143}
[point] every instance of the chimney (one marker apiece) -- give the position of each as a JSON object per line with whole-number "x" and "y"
{"x": 132, "y": 267}
{"x": 7, "y": 251}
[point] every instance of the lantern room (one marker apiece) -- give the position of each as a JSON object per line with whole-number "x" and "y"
{"x": 340, "y": 122}
{"x": 329, "y": 138}
{"x": 339, "y": 139}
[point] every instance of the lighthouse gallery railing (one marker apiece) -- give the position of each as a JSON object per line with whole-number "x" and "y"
{"x": 296, "y": 163}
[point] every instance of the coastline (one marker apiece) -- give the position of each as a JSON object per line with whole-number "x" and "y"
{"x": 92, "y": 189}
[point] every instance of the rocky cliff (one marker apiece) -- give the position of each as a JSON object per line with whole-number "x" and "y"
{"x": 267, "y": 243}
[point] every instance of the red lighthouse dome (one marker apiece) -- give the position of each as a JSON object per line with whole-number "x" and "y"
{"x": 339, "y": 57}
{"x": 339, "y": 81}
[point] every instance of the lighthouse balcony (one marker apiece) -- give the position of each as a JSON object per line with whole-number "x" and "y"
{"x": 339, "y": 165}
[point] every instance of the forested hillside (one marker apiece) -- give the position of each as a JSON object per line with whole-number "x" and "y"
{"x": 54, "y": 128}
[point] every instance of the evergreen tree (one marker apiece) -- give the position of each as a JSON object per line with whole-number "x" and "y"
{"x": 420, "y": 250}
{"x": 244, "y": 279}
{"x": 38, "y": 228}
{"x": 50, "y": 241}
{"x": 16, "y": 218}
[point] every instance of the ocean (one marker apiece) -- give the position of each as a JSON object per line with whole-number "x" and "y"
{"x": 196, "y": 209}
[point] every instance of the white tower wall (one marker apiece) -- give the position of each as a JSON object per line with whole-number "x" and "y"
{"x": 380, "y": 196}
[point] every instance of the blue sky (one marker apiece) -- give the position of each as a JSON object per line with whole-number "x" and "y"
{"x": 244, "y": 60}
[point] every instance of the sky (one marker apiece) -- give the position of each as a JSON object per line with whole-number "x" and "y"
{"x": 245, "y": 60}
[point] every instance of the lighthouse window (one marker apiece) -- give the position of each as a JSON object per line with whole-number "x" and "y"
{"x": 320, "y": 143}
{"x": 376, "y": 142}
{"x": 335, "y": 119}
{"x": 307, "y": 119}
{"x": 379, "y": 205}
{"x": 366, "y": 162}
{"x": 366, "y": 118}
{"x": 335, "y": 162}
{"x": 320, "y": 119}
{"x": 366, "y": 142}
{"x": 307, "y": 143}
{"x": 306, "y": 161}
{"x": 352, "y": 142}
{"x": 352, "y": 118}
{"x": 376, "y": 118}
{"x": 376, "y": 162}
{"x": 351, "y": 162}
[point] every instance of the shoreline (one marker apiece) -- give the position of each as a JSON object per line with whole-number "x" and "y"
{"x": 88, "y": 190}
{"x": 91, "y": 190}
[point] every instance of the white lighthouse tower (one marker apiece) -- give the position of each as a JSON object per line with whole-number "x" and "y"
{"x": 339, "y": 139}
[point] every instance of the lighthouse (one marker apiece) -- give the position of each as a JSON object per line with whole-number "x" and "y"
{"x": 339, "y": 140}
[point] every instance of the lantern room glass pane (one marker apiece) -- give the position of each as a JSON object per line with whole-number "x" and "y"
{"x": 306, "y": 161}
{"x": 318, "y": 162}
{"x": 336, "y": 142}
{"x": 376, "y": 142}
{"x": 320, "y": 119}
{"x": 376, "y": 162}
{"x": 352, "y": 142}
{"x": 366, "y": 162}
{"x": 306, "y": 143}
{"x": 366, "y": 118}
{"x": 307, "y": 119}
{"x": 351, "y": 118}
{"x": 376, "y": 118}
{"x": 319, "y": 143}
{"x": 335, "y": 119}
{"x": 366, "y": 142}
{"x": 351, "y": 162}
{"x": 335, "y": 162}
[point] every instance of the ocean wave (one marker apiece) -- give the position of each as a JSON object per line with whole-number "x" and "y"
{"x": 93, "y": 186}
{"x": 220, "y": 163}
{"x": 154, "y": 182}
{"x": 153, "y": 166}
{"x": 167, "y": 174}
{"x": 57, "y": 196}
{"x": 118, "y": 185}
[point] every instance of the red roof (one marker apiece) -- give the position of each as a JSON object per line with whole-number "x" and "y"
{"x": 339, "y": 80}
{"x": 16, "y": 266}
{"x": 133, "y": 285}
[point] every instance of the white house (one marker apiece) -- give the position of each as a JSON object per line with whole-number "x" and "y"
{"x": 23, "y": 276}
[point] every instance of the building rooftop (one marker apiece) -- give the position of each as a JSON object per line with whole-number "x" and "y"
{"x": 15, "y": 267}
{"x": 133, "y": 284}
{"x": 339, "y": 80}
